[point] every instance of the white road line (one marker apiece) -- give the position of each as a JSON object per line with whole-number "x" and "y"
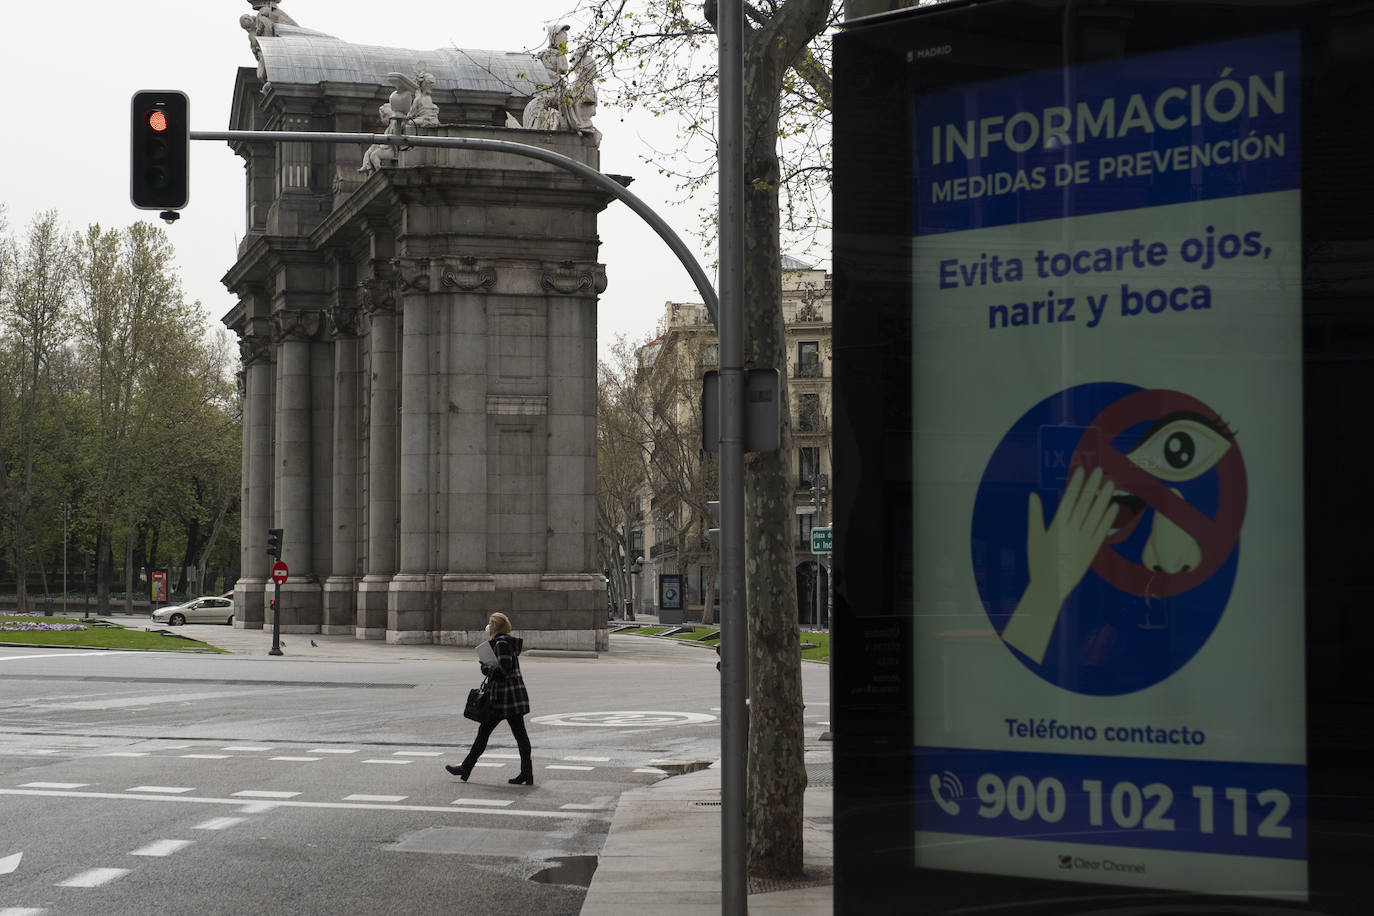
{"x": 162, "y": 790}
{"x": 258, "y": 808}
{"x": 493, "y": 764}
{"x": 268, "y": 806}
{"x": 298, "y": 759}
{"x": 219, "y": 823}
{"x": 401, "y": 762}
{"x": 505, "y": 756}
{"x": 20, "y": 658}
{"x": 590, "y": 759}
{"x": 331, "y": 750}
{"x": 95, "y": 877}
{"x": 264, "y": 793}
{"x": 574, "y": 806}
{"x": 54, "y": 785}
{"x": 247, "y": 748}
{"x": 652, "y": 771}
{"x": 10, "y": 864}
{"x": 172, "y": 747}
{"x": 125, "y": 754}
{"x": 559, "y": 766}
{"x": 206, "y": 756}
{"x": 22, "y": 911}
{"x": 162, "y": 848}
{"x": 485, "y": 802}
{"x": 375, "y": 798}
{"x": 419, "y": 754}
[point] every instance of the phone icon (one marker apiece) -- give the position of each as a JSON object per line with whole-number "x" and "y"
{"x": 945, "y": 788}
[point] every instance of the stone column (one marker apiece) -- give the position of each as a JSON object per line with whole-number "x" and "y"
{"x": 409, "y": 605}
{"x": 294, "y": 478}
{"x": 340, "y": 604}
{"x": 378, "y": 300}
{"x": 249, "y": 599}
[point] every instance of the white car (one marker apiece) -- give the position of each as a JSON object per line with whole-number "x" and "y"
{"x": 200, "y": 610}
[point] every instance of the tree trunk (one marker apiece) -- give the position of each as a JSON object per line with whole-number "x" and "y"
{"x": 777, "y": 770}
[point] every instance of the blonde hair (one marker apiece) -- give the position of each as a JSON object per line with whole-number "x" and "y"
{"x": 500, "y": 623}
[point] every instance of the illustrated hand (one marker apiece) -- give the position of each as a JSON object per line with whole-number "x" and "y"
{"x": 1058, "y": 557}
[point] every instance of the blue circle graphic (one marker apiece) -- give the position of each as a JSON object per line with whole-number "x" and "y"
{"x": 1105, "y": 641}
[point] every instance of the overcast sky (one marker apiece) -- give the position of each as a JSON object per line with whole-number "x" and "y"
{"x": 69, "y": 68}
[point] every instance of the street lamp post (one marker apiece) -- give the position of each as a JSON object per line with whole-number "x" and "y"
{"x": 66, "y": 517}
{"x": 635, "y": 568}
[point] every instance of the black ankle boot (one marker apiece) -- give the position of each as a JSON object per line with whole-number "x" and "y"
{"x": 526, "y": 778}
{"x": 463, "y": 771}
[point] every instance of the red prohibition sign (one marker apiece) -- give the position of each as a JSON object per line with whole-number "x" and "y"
{"x": 1216, "y": 537}
{"x": 279, "y": 572}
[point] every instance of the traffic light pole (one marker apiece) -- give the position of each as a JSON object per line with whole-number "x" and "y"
{"x": 276, "y": 620}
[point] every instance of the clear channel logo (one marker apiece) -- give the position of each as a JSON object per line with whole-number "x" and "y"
{"x": 1100, "y": 865}
{"x": 946, "y": 789}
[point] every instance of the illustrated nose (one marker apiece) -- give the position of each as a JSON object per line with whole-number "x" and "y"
{"x": 1170, "y": 549}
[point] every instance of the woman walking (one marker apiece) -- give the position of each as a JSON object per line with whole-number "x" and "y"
{"x": 510, "y": 701}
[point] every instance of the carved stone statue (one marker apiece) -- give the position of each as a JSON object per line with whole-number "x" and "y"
{"x": 263, "y": 24}
{"x": 569, "y": 102}
{"x": 423, "y": 111}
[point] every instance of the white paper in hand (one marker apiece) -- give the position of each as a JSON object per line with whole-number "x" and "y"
{"x": 486, "y": 654}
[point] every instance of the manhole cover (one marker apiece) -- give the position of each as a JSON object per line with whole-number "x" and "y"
{"x": 625, "y": 719}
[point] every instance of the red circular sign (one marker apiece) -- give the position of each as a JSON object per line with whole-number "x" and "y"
{"x": 279, "y": 572}
{"x": 1216, "y": 536}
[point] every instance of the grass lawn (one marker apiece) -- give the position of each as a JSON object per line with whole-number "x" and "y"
{"x": 94, "y": 637}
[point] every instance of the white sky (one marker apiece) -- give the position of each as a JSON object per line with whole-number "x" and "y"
{"x": 70, "y": 67}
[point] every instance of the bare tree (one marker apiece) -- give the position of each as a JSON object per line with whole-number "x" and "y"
{"x": 662, "y": 56}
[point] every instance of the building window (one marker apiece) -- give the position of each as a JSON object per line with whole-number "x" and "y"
{"x": 808, "y": 359}
{"x": 809, "y": 413}
{"x": 804, "y": 526}
{"x": 808, "y": 465}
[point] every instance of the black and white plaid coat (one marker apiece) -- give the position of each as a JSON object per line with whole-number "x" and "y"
{"x": 504, "y": 681}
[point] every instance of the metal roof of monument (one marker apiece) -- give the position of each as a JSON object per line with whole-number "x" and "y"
{"x": 307, "y": 57}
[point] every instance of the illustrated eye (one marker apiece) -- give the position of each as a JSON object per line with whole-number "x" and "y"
{"x": 1180, "y": 447}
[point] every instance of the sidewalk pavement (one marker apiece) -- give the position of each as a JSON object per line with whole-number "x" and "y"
{"x": 662, "y": 854}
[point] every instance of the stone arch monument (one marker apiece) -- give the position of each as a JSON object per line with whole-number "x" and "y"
{"x": 418, "y": 342}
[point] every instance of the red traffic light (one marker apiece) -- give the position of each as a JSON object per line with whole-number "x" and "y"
{"x": 157, "y": 120}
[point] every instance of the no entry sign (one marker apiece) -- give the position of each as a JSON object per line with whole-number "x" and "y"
{"x": 279, "y": 572}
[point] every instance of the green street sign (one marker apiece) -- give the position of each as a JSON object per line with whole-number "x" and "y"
{"x": 820, "y": 540}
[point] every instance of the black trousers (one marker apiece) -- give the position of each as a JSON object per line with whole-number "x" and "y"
{"x": 522, "y": 741}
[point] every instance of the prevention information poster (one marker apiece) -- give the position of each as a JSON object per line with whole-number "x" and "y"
{"x": 1108, "y": 463}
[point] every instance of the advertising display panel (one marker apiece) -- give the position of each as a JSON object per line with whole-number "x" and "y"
{"x": 1123, "y": 702}
{"x": 1100, "y": 325}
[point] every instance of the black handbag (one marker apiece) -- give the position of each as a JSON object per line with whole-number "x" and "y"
{"x": 479, "y": 707}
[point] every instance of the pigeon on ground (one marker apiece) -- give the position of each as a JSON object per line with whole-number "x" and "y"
{"x": 315, "y": 644}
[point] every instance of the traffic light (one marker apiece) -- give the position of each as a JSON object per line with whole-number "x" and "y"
{"x": 159, "y": 154}
{"x": 274, "y": 543}
{"x": 90, "y": 562}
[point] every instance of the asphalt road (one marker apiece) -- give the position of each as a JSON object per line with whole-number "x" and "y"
{"x": 133, "y": 783}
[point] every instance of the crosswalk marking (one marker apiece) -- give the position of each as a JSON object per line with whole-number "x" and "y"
{"x": 560, "y": 766}
{"x": 219, "y": 823}
{"x": 54, "y": 785}
{"x": 247, "y": 748}
{"x": 589, "y": 759}
{"x": 264, "y": 793}
{"x": 162, "y": 848}
{"x": 493, "y": 764}
{"x": 375, "y": 798}
{"x": 575, "y": 806}
{"x": 487, "y": 802}
{"x": 418, "y": 754}
{"x": 95, "y": 877}
{"x": 652, "y": 771}
{"x": 126, "y": 754}
{"x": 298, "y": 759}
{"x": 22, "y": 911}
{"x": 401, "y": 762}
{"x": 332, "y": 750}
{"x": 205, "y": 756}
{"x": 163, "y": 790}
